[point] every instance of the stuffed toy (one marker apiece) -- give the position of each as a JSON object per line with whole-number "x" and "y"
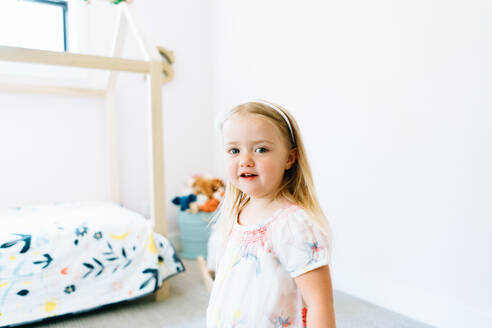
{"x": 210, "y": 205}
{"x": 194, "y": 208}
{"x": 206, "y": 186}
{"x": 219, "y": 194}
{"x": 212, "y": 189}
{"x": 202, "y": 193}
{"x": 184, "y": 201}
{"x": 195, "y": 205}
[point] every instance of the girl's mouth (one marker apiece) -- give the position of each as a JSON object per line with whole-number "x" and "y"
{"x": 248, "y": 176}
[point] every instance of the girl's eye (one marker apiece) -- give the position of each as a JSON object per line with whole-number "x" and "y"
{"x": 232, "y": 151}
{"x": 262, "y": 149}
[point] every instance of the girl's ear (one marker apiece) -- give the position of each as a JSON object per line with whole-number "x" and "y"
{"x": 291, "y": 159}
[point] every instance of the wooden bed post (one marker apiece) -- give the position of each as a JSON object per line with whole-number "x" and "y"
{"x": 158, "y": 196}
{"x": 112, "y": 113}
{"x": 158, "y": 202}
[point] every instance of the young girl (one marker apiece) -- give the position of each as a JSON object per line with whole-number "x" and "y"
{"x": 274, "y": 243}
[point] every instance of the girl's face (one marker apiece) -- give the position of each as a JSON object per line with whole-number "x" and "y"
{"x": 254, "y": 146}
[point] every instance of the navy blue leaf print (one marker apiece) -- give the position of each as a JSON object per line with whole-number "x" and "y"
{"x": 23, "y": 292}
{"x": 100, "y": 264}
{"x": 90, "y": 266}
{"x": 23, "y": 238}
{"x": 154, "y": 275}
{"x": 48, "y": 260}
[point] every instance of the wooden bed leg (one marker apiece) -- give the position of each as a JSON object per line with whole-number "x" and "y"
{"x": 163, "y": 293}
{"x": 207, "y": 279}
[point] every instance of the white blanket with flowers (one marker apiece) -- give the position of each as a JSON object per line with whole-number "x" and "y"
{"x": 70, "y": 257}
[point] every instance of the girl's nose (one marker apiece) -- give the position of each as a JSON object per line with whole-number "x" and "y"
{"x": 246, "y": 159}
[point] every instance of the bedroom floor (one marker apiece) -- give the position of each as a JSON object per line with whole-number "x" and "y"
{"x": 188, "y": 302}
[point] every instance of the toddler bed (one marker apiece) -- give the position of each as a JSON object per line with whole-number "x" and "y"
{"x": 63, "y": 258}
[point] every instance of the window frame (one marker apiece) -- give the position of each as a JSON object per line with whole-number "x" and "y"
{"x": 63, "y": 4}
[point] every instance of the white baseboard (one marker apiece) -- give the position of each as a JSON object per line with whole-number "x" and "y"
{"x": 413, "y": 303}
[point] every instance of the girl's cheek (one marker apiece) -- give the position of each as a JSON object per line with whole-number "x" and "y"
{"x": 230, "y": 169}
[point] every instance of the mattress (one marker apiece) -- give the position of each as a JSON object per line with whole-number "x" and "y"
{"x": 63, "y": 258}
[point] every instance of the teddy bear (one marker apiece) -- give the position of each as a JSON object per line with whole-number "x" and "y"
{"x": 209, "y": 191}
{"x": 206, "y": 186}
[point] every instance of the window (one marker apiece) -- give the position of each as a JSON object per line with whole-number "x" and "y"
{"x": 38, "y": 24}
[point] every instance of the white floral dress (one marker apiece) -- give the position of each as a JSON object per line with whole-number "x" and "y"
{"x": 254, "y": 284}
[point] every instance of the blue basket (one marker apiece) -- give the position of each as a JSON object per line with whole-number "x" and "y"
{"x": 194, "y": 233}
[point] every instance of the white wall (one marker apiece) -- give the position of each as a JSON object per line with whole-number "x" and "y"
{"x": 51, "y": 149}
{"x": 393, "y": 99}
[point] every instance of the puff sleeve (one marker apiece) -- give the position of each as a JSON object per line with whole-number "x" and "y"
{"x": 299, "y": 244}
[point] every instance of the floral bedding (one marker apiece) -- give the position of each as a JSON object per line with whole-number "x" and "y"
{"x": 63, "y": 258}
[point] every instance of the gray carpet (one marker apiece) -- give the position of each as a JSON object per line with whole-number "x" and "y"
{"x": 188, "y": 302}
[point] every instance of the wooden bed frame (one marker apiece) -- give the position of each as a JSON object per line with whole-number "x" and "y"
{"x": 158, "y": 72}
{"x": 207, "y": 275}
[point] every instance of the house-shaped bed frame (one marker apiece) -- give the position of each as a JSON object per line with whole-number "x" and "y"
{"x": 156, "y": 64}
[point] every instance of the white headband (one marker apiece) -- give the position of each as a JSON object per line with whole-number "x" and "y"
{"x": 221, "y": 116}
{"x": 281, "y": 113}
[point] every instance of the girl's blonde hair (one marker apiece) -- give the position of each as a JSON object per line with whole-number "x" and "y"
{"x": 297, "y": 185}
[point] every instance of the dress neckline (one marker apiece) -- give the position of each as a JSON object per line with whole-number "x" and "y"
{"x": 269, "y": 219}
